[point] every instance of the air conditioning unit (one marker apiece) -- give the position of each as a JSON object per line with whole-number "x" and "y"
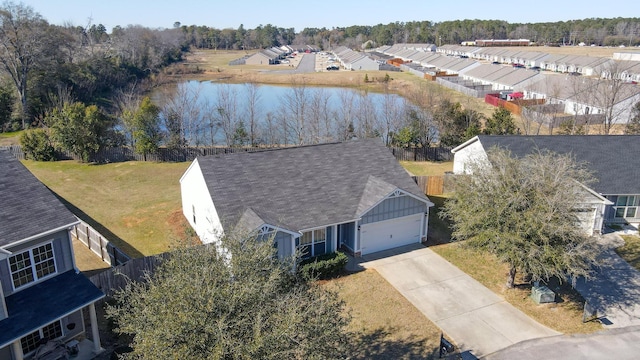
{"x": 542, "y": 294}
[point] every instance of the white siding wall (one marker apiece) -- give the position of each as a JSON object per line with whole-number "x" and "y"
{"x": 195, "y": 196}
{"x": 470, "y": 153}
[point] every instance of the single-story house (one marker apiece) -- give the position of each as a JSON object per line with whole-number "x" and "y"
{"x": 42, "y": 293}
{"x": 318, "y": 198}
{"x": 613, "y": 159}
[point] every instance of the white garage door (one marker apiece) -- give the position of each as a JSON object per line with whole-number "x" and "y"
{"x": 392, "y": 233}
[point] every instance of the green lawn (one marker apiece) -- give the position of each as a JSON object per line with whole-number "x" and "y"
{"x": 136, "y": 205}
{"x": 10, "y": 138}
{"x": 630, "y": 251}
{"x": 427, "y": 168}
{"x": 387, "y": 324}
{"x": 564, "y": 316}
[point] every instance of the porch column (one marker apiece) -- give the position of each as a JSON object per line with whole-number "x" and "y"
{"x": 95, "y": 333}
{"x": 356, "y": 242}
{"x": 17, "y": 350}
{"x": 335, "y": 237}
{"x": 423, "y": 222}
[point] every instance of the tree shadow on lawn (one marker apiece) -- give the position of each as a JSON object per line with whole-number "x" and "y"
{"x": 439, "y": 231}
{"x": 113, "y": 238}
{"x": 376, "y": 345}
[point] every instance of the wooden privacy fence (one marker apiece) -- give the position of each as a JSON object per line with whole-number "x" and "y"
{"x": 116, "y": 278}
{"x": 97, "y": 243}
{"x": 435, "y": 184}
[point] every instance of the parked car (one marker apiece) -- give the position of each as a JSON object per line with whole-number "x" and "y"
{"x": 333, "y": 67}
{"x": 496, "y": 63}
{"x": 536, "y": 68}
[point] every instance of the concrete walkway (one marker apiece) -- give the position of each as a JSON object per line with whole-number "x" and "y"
{"x": 614, "y": 290}
{"x": 476, "y": 319}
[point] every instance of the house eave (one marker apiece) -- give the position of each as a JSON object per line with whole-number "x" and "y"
{"x": 39, "y": 235}
{"x": 464, "y": 144}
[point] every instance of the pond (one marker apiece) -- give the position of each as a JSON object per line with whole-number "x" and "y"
{"x": 212, "y": 113}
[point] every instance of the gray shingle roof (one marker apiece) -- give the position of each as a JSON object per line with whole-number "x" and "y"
{"x": 614, "y": 159}
{"x": 28, "y": 207}
{"x": 303, "y": 187}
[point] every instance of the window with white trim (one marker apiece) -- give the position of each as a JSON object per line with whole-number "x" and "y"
{"x": 313, "y": 243}
{"x": 32, "y": 341}
{"x": 32, "y": 265}
{"x": 626, "y": 206}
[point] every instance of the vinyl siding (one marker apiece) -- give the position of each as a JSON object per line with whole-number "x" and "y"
{"x": 394, "y": 207}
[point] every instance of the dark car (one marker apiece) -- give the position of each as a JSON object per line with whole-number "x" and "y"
{"x": 333, "y": 67}
{"x": 496, "y": 63}
{"x": 536, "y": 68}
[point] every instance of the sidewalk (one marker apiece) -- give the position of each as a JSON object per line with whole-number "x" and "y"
{"x": 476, "y": 319}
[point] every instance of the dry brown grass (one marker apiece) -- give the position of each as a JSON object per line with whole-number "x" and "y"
{"x": 86, "y": 261}
{"x": 564, "y": 316}
{"x": 389, "y": 326}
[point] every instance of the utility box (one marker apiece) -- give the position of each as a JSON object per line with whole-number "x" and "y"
{"x": 542, "y": 294}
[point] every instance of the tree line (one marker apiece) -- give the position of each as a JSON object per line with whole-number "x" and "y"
{"x": 44, "y": 65}
{"x": 598, "y": 31}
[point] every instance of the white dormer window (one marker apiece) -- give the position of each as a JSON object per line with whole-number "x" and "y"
{"x": 32, "y": 265}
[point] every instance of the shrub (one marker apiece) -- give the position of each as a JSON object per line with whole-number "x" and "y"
{"x": 37, "y": 145}
{"x": 324, "y": 266}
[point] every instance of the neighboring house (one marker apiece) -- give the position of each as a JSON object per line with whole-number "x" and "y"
{"x": 317, "y": 198}
{"x": 613, "y": 159}
{"x": 587, "y": 96}
{"x": 42, "y": 293}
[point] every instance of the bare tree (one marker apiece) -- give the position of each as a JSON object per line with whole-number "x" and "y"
{"x": 391, "y": 114}
{"x": 227, "y": 111}
{"x": 295, "y": 102}
{"x": 345, "y": 114}
{"x": 183, "y": 113}
{"x": 367, "y": 117}
{"x": 253, "y": 117}
{"x": 24, "y": 42}
{"x": 319, "y": 117}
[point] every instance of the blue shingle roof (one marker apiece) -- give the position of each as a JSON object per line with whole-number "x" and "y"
{"x": 43, "y": 303}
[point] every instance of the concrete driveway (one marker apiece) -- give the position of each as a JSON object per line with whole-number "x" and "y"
{"x": 478, "y": 320}
{"x": 614, "y": 290}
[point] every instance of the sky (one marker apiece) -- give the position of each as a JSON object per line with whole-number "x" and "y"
{"x": 311, "y": 13}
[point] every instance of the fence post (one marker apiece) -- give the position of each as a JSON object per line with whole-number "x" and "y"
{"x": 101, "y": 248}
{"x": 88, "y": 237}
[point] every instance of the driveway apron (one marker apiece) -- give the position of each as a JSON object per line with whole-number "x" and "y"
{"x": 477, "y": 319}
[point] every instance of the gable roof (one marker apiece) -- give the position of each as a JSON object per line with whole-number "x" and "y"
{"x": 613, "y": 159}
{"x": 303, "y": 187}
{"x": 28, "y": 207}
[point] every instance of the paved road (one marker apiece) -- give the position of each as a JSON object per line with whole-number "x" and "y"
{"x": 307, "y": 65}
{"x": 614, "y": 290}
{"x": 619, "y": 344}
{"x": 478, "y": 320}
